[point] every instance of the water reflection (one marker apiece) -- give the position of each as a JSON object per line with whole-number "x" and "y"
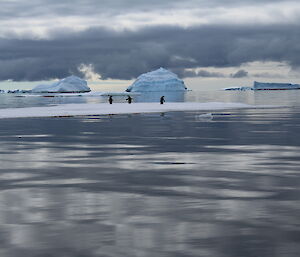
{"x": 155, "y": 96}
{"x": 145, "y": 185}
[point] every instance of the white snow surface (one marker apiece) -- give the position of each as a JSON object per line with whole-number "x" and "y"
{"x": 158, "y": 80}
{"x": 117, "y": 108}
{"x": 71, "y": 84}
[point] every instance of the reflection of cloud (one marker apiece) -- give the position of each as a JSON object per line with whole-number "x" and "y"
{"x": 154, "y": 186}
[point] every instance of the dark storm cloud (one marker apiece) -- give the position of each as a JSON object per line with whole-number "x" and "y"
{"x": 267, "y": 75}
{"x": 240, "y": 74}
{"x": 127, "y": 54}
{"x": 201, "y": 73}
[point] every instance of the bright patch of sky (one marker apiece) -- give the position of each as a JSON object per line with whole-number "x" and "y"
{"x": 39, "y": 19}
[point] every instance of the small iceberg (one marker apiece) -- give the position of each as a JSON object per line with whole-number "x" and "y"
{"x": 71, "y": 84}
{"x": 158, "y": 80}
{"x": 239, "y": 88}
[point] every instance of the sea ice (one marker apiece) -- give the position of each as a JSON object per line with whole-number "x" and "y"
{"x": 71, "y": 84}
{"x": 158, "y": 80}
{"x": 117, "y": 108}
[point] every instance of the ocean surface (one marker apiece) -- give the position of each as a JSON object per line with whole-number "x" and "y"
{"x": 219, "y": 183}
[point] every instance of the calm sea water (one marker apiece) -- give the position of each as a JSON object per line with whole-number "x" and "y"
{"x": 171, "y": 184}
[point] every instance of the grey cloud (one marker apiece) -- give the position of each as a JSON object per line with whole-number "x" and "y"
{"x": 127, "y": 54}
{"x": 13, "y": 9}
{"x": 201, "y": 73}
{"x": 267, "y": 75}
{"x": 84, "y": 7}
{"x": 240, "y": 74}
{"x": 207, "y": 74}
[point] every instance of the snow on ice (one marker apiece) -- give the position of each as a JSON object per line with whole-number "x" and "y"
{"x": 117, "y": 108}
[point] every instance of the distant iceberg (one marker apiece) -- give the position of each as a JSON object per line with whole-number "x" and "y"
{"x": 158, "y": 80}
{"x": 71, "y": 84}
{"x": 274, "y": 86}
{"x": 266, "y": 86}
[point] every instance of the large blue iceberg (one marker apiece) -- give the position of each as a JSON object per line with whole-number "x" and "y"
{"x": 158, "y": 80}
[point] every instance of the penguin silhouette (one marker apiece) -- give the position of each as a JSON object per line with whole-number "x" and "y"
{"x": 110, "y": 100}
{"x": 129, "y": 99}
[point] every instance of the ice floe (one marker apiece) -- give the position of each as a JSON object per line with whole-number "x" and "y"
{"x": 117, "y": 108}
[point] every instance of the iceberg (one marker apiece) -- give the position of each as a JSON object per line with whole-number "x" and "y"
{"x": 71, "y": 84}
{"x": 274, "y": 86}
{"x": 158, "y": 80}
{"x": 266, "y": 86}
{"x": 239, "y": 88}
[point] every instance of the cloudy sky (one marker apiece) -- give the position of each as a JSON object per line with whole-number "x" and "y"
{"x": 120, "y": 39}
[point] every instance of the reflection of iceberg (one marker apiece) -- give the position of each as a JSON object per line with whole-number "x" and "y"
{"x": 158, "y": 80}
{"x": 155, "y": 96}
{"x": 70, "y": 84}
{"x": 274, "y": 86}
{"x": 204, "y": 117}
